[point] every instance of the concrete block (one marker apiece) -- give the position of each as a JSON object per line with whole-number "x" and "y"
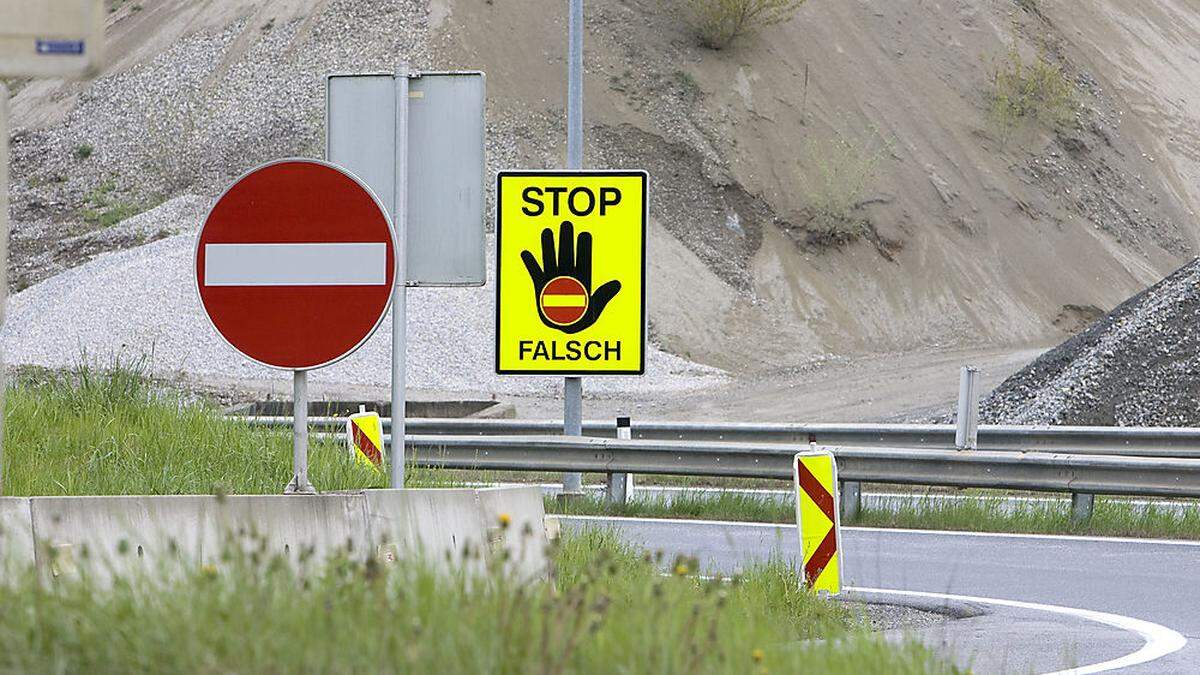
{"x": 523, "y": 538}
{"x": 443, "y": 526}
{"x": 108, "y": 534}
{"x": 16, "y": 535}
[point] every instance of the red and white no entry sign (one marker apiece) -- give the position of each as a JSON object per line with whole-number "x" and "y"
{"x": 295, "y": 264}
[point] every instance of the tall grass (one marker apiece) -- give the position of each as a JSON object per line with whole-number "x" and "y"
{"x": 606, "y": 608}
{"x": 113, "y": 431}
{"x": 1110, "y": 517}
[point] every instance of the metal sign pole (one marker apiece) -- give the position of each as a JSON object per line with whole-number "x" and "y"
{"x": 573, "y": 386}
{"x": 299, "y": 483}
{"x": 400, "y": 290}
{"x": 3, "y": 253}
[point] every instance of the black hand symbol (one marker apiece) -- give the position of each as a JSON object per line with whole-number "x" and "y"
{"x": 583, "y": 307}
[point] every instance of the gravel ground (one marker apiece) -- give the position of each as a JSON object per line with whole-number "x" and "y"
{"x": 1139, "y": 365}
{"x": 881, "y": 617}
{"x": 143, "y": 301}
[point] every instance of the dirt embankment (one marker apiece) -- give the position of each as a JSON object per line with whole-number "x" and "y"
{"x": 971, "y": 236}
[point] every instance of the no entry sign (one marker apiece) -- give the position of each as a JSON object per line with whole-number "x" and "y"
{"x": 295, "y": 264}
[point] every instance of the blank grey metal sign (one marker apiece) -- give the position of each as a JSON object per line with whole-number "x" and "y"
{"x": 445, "y": 238}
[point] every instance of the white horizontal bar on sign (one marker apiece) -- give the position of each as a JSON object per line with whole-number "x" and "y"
{"x": 342, "y": 264}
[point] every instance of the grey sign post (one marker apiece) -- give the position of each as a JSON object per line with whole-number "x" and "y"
{"x": 417, "y": 139}
{"x": 3, "y": 251}
{"x": 573, "y": 386}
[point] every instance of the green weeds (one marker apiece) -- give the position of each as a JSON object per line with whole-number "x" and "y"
{"x": 113, "y": 431}
{"x": 1028, "y": 91}
{"x": 980, "y": 513}
{"x": 605, "y": 608}
{"x": 104, "y": 208}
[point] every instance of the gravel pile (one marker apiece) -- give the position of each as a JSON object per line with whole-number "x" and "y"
{"x": 143, "y": 302}
{"x": 1137, "y": 366}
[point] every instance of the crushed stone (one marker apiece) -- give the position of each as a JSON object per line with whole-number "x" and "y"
{"x": 1139, "y": 365}
{"x": 142, "y": 302}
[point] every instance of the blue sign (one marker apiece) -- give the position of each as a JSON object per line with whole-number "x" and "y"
{"x": 68, "y": 47}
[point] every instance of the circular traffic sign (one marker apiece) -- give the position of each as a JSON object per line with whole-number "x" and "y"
{"x": 295, "y": 264}
{"x": 564, "y": 300}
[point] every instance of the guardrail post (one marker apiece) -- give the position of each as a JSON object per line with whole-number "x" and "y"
{"x": 1082, "y": 505}
{"x": 966, "y": 433}
{"x": 620, "y": 485}
{"x": 851, "y": 498}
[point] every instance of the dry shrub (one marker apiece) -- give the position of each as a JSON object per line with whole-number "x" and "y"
{"x": 717, "y": 23}
{"x": 1023, "y": 91}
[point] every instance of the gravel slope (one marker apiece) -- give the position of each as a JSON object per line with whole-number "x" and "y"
{"x": 143, "y": 301}
{"x": 1137, "y": 366}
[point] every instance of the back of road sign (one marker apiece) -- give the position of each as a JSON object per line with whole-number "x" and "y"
{"x": 817, "y": 519}
{"x": 445, "y": 237}
{"x": 571, "y": 272}
{"x": 51, "y": 38}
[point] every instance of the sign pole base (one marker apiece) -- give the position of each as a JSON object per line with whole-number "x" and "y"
{"x": 299, "y": 483}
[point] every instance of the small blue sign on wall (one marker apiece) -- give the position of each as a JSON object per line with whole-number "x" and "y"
{"x": 58, "y": 47}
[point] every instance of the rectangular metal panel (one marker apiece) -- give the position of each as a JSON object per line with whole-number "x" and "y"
{"x": 445, "y": 180}
{"x": 445, "y": 238}
{"x": 51, "y": 38}
{"x": 360, "y": 130}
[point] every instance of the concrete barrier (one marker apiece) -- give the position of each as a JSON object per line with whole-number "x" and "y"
{"x": 111, "y": 533}
{"x": 442, "y": 526}
{"x": 520, "y": 515}
{"x": 16, "y": 534}
{"x": 450, "y": 528}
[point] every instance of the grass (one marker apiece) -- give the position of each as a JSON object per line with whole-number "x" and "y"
{"x": 605, "y": 608}
{"x": 713, "y": 506}
{"x": 836, "y": 174}
{"x": 112, "y": 431}
{"x": 1023, "y": 91}
{"x": 1111, "y": 517}
{"x": 103, "y": 208}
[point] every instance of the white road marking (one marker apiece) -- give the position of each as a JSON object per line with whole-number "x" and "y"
{"x": 1159, "y": 640}
{"x": 317, "y": 264}
{"x": 952, "y": 533}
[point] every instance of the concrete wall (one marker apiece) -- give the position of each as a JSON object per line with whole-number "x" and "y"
{"x": 16, "y": 533}
{"x": 523, "y": 539}
{"x": 448, "y": 528}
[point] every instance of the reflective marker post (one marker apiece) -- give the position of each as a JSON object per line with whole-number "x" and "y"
{"x": 573, "y": 386}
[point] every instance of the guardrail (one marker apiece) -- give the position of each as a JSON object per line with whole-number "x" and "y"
{"x": 1053, "y": 472}
{"x": 1177, "y": 442}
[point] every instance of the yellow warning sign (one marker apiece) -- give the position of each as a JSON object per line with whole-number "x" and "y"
{"x": 571, "y": 272}
{"x": 818, "y": 521}
{"x": 364, "y": 437}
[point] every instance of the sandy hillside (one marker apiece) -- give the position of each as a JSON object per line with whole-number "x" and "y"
{"x": 970, "y": 236}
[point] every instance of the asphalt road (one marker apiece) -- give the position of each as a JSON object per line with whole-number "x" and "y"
{"x": 1139, "y": 581}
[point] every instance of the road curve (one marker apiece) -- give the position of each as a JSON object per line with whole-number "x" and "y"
{"x": 1122, "y": 597}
